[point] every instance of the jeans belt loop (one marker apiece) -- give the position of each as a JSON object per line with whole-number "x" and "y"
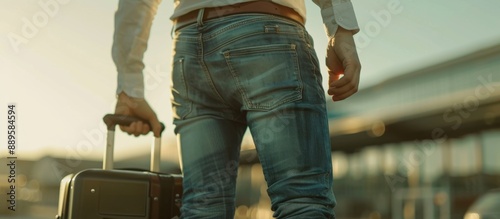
{"x": 199, "y": 19}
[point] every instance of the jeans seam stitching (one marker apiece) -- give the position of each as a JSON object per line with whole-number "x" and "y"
{"x": 201, "y": 61}
{"x": 227, "y": 56}
{"x": 182, "y": 78}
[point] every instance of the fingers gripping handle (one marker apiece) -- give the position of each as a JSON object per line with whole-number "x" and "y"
{"x": 111, "y": 121}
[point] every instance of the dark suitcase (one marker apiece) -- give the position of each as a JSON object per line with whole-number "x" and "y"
{"x": 120, "y": 194}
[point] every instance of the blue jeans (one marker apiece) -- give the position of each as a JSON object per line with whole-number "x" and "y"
{"x": 261, "y": 72}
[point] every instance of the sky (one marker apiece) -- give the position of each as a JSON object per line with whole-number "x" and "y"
{"x": 61, "y": 78}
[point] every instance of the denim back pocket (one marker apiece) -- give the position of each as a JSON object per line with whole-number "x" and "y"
{"x": 181, "y": 105}
{"x": 266, "y": 76}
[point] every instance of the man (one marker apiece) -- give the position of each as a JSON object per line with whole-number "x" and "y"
{"x": 240, "y": 64}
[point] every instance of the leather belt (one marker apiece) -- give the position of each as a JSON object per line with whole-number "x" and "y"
{"x": 262, "y": 7}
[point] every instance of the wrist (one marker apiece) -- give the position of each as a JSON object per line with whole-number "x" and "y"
{"x": 124, "y": 96}
{"x": 342, "y": 31}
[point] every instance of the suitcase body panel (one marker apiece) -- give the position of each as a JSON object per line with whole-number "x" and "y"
{"x": 124, "y": 194}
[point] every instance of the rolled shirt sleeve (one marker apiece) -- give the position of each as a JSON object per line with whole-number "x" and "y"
{"x": 133, "y": 21}
{"x": 337, "y": 13}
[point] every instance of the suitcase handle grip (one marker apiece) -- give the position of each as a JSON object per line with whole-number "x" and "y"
{"x": 112, "y": 120}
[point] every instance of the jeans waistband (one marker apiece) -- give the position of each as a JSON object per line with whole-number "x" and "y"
{"x": 262, "y": 7}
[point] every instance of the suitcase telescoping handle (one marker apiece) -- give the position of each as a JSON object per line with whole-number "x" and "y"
{"x": 111, "y": 121}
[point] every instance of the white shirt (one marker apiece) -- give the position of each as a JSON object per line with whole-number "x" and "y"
{"x": 134, "y": 18}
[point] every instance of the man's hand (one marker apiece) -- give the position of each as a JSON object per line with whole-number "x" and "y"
{"x": 139, "y": 108}
{"x": 342, "y": 59}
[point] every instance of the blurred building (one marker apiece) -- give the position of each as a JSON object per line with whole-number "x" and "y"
{"x": 421, "y": 145}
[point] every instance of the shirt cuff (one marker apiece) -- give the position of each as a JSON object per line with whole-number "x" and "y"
{"x": 131, "y": 84}
{"x": 341, "y": 14}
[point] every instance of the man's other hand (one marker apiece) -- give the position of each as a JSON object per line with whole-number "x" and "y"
{"x": 342, "y": 59}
